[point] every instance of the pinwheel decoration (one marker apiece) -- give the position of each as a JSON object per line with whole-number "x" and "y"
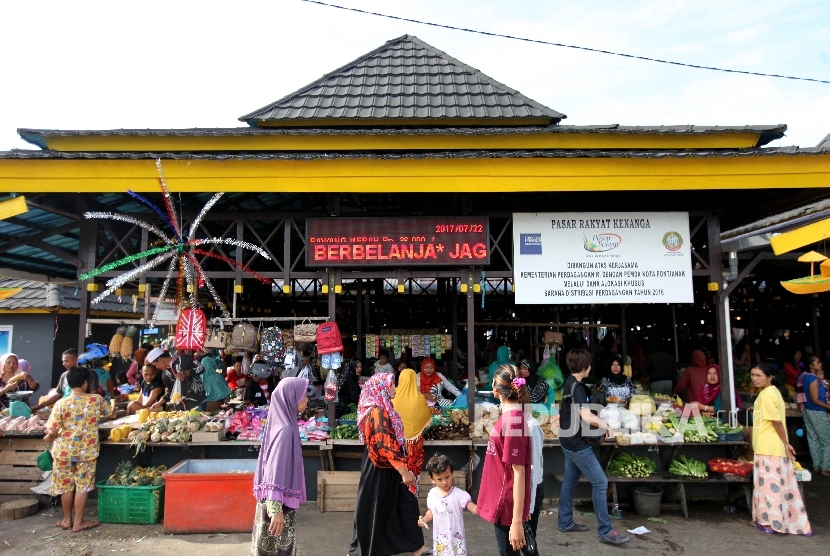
{"x": 175, "y": 248}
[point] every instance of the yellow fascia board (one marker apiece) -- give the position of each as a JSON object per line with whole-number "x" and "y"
{"x": 30, "y": 311}
{"x": 811, "y": 233}
{"x": 380, "y": 142}
{"x": 418, "y": 175}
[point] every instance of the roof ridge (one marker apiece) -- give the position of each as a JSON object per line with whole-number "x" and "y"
{"x": 527, "y": 107}
{"x": 313, "y": 84}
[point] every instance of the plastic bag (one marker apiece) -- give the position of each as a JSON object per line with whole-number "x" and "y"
{"x": 331, "y": 387}
{"x": 552, "y": 374}
{"x": 176, "y": 393}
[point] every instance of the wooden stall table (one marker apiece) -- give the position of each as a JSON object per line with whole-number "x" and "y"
{"x": 18, "y": 465}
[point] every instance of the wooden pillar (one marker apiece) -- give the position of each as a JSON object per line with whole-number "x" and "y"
{"x": 87, "y": 249}
{"x": 471, "y": 350}
{"x": 721, "y": 333}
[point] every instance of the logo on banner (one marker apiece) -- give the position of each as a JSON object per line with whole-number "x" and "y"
{"x": 600, "y": 243}
{"x": 672, "y": 241}
{"x": 530, "y": 244}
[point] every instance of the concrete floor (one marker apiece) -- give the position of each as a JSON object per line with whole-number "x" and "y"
{"x": 709, "y": 530}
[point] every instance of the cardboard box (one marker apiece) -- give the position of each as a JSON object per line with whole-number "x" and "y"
{"x": 207, "y": 436}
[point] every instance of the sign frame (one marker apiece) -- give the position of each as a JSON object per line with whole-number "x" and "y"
{"x": 469, "y": 256}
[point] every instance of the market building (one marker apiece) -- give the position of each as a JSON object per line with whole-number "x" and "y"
{"x": 347, "y": 182}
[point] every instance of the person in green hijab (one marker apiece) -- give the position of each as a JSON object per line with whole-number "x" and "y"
{"x": 502, "y": 358}
{"x": 216, "y": 389}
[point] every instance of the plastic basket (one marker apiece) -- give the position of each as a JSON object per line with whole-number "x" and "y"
{"x": 730, "y": 437}
{"x": 120, "y": 504}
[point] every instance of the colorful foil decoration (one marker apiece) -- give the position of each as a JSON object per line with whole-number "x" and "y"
{"x": 183, "y": 266}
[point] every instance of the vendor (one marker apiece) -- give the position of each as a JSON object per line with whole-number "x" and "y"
{"x": 536, "y": 385}
{"x": 431, "y": 383}
{"x": 152, "y": 389}
{"x": 262, "y": 384}
{"x": 69, "y": 359}
{"x": 181, "y": 368}
{"x": 14, "y": 376}
{"x": 615, "y": 386}
{"x": 348, "y": 387}
{"x": 693, "y": 379}
{"x": 234, "y": 376}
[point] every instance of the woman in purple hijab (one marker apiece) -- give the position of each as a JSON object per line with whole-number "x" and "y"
{"x": 279, "y": 482}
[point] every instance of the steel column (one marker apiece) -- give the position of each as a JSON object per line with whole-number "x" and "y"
{"x": 471, "y": 350}
{"x": 87, "y": 249}
{"x": 721, "y": 306}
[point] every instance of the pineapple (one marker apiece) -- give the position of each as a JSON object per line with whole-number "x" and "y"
{"x": 126, "y": 347}
{"x": 125, "y": 431}
{"x": 115, "y": 435}
{"x": 143, "y": 415}
{"x": 122, "y": 471}
{"x": 144, "y": 481}
{"x": 158, "y": 480}
{"x": 117, "y": 339}
{"x": 113, "y": 480}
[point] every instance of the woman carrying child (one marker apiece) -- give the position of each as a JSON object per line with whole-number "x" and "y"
{"x": 446, "y": 505}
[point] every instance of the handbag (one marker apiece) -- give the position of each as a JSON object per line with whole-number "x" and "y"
{"x": 530, "y": 548}
{"x": 217, "y": 337}
{"x": 244, "y": 337}
{"x": 44, "y": 460}
{"x": 306, "y": 331}
{"x": 329, "y": 339}
{"x": 190, "y": 330}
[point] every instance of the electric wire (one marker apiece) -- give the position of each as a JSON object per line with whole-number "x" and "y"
{"x": 562, "y": 45}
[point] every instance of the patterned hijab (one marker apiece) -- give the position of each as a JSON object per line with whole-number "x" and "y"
{"x": 411, "y": 405}
{"x": 710, "y": 392}
{"x": 279, "y": 470}
{"x": 376, "y": 394}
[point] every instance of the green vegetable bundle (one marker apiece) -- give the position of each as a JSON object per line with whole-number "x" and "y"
{"x": 349, "y": 417}
{"x": 688, "y": 467}
{"x": 344, "y": 432}
{"x": 695, "y": 435}
{"x": 630, "y": 465}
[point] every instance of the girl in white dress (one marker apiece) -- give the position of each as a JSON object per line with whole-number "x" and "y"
{"x": 446, "y": 505}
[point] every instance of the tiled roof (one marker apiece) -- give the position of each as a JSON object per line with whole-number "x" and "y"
{"x": 414, "y": 155}
{"x": 43, "y": 295}
{"x": 405, "y": 79}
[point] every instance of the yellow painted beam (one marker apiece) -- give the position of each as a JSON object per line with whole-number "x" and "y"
{"x": 811, "y": 233}
{"x": 419, "y": 175}
{"x": 13, "y": 207}
{"x": 322, "y": 142}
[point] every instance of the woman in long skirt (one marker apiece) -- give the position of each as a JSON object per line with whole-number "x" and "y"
{"x": 279, "y": 482}
{"x": 777, "y": 506}
{"x": 412, "y": 406}
{"x": 386, "y": 513}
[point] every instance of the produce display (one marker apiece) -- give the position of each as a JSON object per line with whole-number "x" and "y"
{"x": 688, "y": 467}
{"x": 349, "y": 417}
{"x": 344, "y": 432}
{"x": 731, "y": 467}
{"x": 129, "y": 476}
{"x": 630, "y": 465}
{"x": 457, "y": 429}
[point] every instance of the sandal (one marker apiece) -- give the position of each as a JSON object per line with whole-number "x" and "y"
{"x": 92, "y": 525}
{"x": 765, "y": 529}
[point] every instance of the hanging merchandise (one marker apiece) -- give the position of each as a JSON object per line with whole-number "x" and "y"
{"x": 127, "y": 343}
{"x": 328, "y": 338}
{"x": 244, "y": 337}
{"x": 180, "y": 250}
{"x": 190, "y": 330}
{"x": 306, "y": 331}
{"x": 217, "y": 337}
{"x": 117, "y": 338}
{"x": 331, "y": 387}
{"x": 272, "y": 345}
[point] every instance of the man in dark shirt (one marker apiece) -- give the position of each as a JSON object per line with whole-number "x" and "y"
{"x": 69, "y": 359}
{"x": 579, "y": 456}
{"x": 661, "y": 371}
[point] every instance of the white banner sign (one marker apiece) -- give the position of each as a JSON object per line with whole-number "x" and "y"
{"x": 603, "y": 257}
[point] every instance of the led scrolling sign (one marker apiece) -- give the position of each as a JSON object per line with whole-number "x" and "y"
{"x": 397, "y": 241}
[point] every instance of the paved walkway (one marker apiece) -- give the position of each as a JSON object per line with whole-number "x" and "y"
{"x": 709, "y": 530}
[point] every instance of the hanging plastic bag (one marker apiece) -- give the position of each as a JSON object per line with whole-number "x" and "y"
{"x": 546, "y": 354}
{"x": 331, "y": 387}
{"x": 552, "y": 374}
{"x": 176, "y": 393}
